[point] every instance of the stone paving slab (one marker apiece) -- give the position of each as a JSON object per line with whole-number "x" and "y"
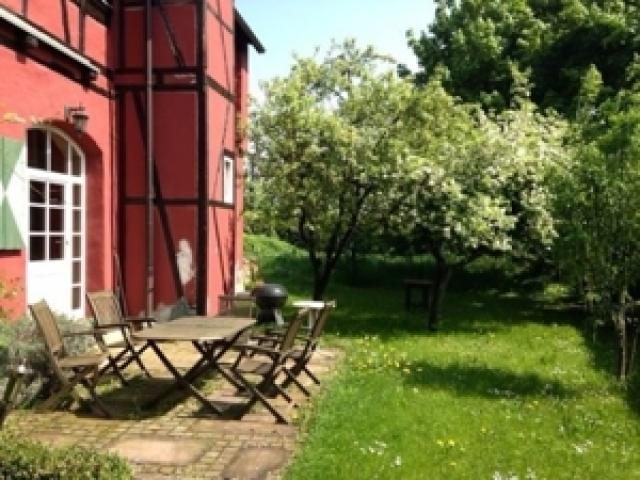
{"x": 179, "y": 441}
{"x": 255, "y": 463}
{"x": 164, "y": 450}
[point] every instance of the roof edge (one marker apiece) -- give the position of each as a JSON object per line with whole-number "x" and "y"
{"x": 243, "y": 26}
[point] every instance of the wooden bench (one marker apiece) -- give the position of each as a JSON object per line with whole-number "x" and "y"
{"x": 423, "y": 287}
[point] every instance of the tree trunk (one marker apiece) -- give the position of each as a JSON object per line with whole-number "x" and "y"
{"x": 626, "y": 320}
{"x": 321, "y": 282}
{"x": 619, "y": 322}
{"x": 627, "y": 327}
{"x": 354, "y": 270}
{"x": 441, "y": 278}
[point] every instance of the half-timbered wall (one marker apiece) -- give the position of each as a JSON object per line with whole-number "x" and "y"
{"x": 199, "y": 65}
{"x": 196, "y": 233}
{"x": 36, "y": 84}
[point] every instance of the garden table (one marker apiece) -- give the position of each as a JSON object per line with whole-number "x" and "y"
{"x": 314, "y": 306}
{"x": 211, "y": 336}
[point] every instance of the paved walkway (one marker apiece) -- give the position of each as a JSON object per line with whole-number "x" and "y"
{"x": 179, "y": 441}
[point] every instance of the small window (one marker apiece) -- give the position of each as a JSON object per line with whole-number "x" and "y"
{"x": 227, "y": 179}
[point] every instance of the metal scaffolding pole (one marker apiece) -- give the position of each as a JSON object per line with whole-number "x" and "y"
{"x": 150, "y": 190}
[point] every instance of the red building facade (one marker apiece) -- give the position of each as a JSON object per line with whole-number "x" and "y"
{"x": 149, "y": 195}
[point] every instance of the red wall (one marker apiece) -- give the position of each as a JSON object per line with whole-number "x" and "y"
{"x": 33, "y": 94}
{"x": 179, "y": 119}
{"x": 114, "y": 141}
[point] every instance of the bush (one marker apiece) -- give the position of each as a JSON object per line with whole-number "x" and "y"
{"x": 21, "y": 343}
{"x": 23, "y": 459}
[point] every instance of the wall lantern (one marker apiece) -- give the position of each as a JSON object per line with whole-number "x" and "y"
{"x": 78, "y": 117}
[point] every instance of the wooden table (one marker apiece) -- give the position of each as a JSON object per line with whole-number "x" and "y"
{"x": 314, "y": 306}
{"x": 211, "y": 337}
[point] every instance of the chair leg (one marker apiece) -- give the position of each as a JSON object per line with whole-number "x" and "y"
{"x": 136, "y": 356}
{"x": 116, "y": 370}
{"x": 96, "y": 400}
{"x": 282, "y": 392}
{"x": 311, "y": 375}
{"x": 292, "y": 379}
{"x": 55, "y": 399}
{"x": 141, "y": 365}
{"x": 66, "y": 391}
{"x": 257, "y": 396}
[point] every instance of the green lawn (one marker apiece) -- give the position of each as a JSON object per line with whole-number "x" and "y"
{"x": 511, "y": 387}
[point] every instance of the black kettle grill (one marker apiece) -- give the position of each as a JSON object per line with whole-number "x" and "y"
{"x": 270, "y": 298}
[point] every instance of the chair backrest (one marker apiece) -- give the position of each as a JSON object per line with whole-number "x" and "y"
{"x": 321, "y": 320}
{"x": 292, "y": 330}
{"x": 105, "y": 307}
{"x": 238, "y": 305}
{"x": 48, "y": 327}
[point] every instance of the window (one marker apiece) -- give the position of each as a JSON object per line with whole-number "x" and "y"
{"x": 56, "y": 220}
{"x": 227, "y": 179}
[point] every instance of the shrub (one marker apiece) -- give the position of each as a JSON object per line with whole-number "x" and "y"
{"x": 23, "y": 459}
{"x": 21, "y": 343}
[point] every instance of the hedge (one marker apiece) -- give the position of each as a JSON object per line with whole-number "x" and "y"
{"x": 23, "y": 459}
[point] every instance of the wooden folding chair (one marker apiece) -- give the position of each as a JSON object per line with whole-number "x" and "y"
{"x": 108, "y": 320}
{"x": 237, "y": 305}
{"x": 266, "y": 370}
{"x": 68, "y": 370}
{"x": 303, "y": 352}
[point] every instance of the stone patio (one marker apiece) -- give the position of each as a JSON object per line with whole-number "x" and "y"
{"x": 178, "y": 440}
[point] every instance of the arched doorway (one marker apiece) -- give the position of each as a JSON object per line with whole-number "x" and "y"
{"x": 56, "y": 221}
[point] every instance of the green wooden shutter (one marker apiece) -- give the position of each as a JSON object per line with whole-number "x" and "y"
{"x": 10, "y": 238}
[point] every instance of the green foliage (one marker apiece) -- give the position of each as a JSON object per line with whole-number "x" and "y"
{"x": 476, "y": 182}
{"x": 8, "y": 291}
{"x": 21, "y": 343}
{"x": 510, "y": 386}
{"x": 326, "y": 138}
{"x": 599, "y": 205}
{"x": 479, "y": 46}
{"x": 23, "y": 459}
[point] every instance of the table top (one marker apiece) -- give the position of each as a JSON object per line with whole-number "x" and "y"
{"x": 196, "y": 329}
{"x": 311, "y": 304}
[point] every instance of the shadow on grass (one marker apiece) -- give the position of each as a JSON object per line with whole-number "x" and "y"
{"x": 488, "y": 296}
{"x": 466, "y": 380}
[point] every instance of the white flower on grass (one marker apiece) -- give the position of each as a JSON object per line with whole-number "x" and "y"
{"x": 377, "y": 448}
{"x": 504, "y": 476}
{"x": 398, "y": 461}
{"x": 583, "y": 447}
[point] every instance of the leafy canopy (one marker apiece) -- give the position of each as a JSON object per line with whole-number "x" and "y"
{"x": 477, "y": 183}
{"x": 326, "y": 137}
{"x": 480, "y": 46}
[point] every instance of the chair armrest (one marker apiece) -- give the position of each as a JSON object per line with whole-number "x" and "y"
{"x": 270, "y": 352}
{"x": 267, "y": 338}
{"x": 140, "y": 319}
{"x": 111, "y": 325}
{"x": 78, "y": 334}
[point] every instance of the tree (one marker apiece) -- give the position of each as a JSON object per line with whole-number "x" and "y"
{"x": 326, "y": 137}
{"x": 599, "y": 207}
{"x": 475, "y": 184}
{"x": 481, "y": 43}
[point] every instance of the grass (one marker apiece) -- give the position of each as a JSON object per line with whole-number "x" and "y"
{"x": 511, "y": 387}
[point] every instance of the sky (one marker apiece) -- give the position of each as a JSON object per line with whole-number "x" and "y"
{"x": 288, "y": 26}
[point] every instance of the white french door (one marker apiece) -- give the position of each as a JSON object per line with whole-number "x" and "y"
{"x": 55, "y": 268}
